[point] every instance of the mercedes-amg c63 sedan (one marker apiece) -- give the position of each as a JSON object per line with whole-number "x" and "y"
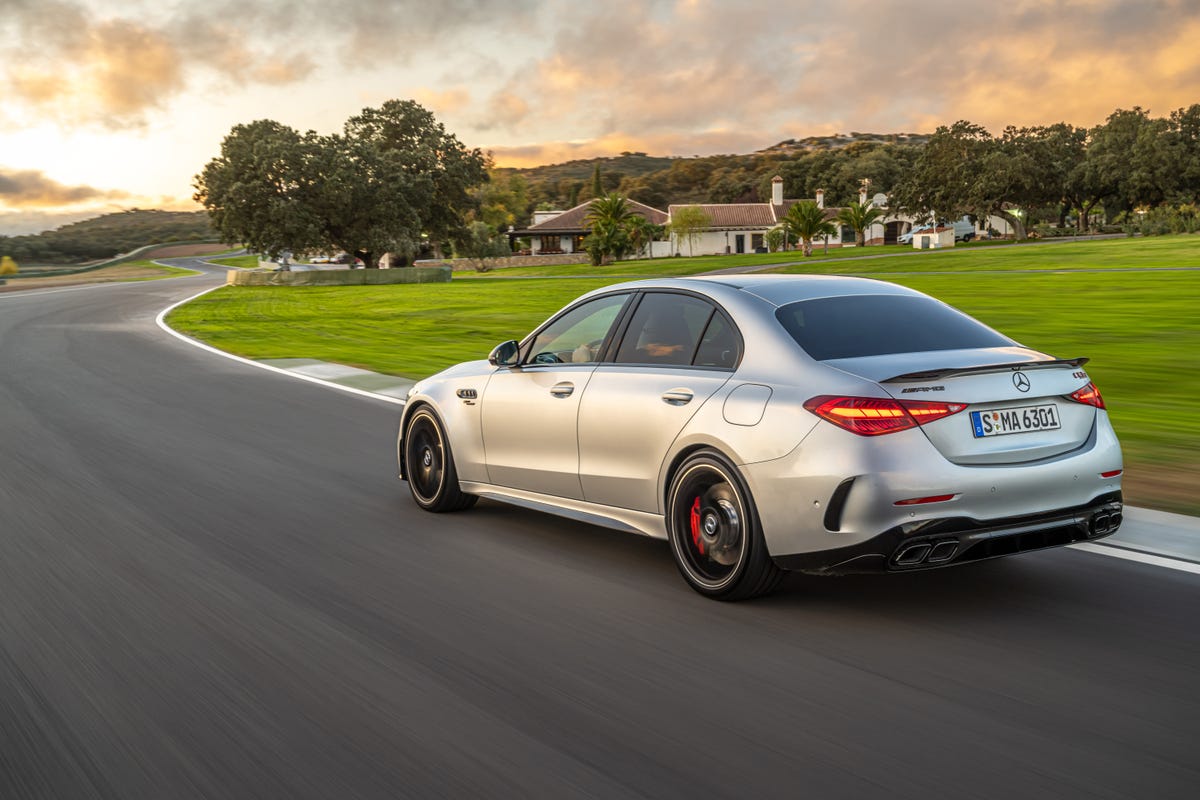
{"x": 772, "y": 423}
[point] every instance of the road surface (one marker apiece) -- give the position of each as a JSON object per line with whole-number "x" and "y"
{"x": 212, "y": 585}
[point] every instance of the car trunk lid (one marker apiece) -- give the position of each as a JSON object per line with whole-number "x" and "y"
{"x": 1018, "y": 405}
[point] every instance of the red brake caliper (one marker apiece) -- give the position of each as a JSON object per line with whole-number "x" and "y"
{"x": 695, "y": 519}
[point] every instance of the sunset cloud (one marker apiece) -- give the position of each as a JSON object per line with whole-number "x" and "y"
{"x": 82, "y": 64}
{"x": 33, "y": 189}
{"x": 647, "y": 72}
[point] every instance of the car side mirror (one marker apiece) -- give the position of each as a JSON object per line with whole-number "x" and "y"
{"x": 505, "y": 355}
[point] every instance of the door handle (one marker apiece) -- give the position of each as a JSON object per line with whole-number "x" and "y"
{"x": 677, "y": 397}
{"x": 564, "y": 389}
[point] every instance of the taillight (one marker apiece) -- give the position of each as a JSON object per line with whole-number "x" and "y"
{"x": 1089, "y": 396}
{"x": 873, "y": 416}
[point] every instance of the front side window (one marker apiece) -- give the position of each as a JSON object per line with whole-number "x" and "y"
{"x": 665, "y": 329}
{"x": 578, "y": 335}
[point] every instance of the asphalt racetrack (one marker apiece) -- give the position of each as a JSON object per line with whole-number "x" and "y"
{"x": 212, "y": 585}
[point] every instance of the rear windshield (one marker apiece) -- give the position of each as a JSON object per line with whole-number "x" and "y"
{"x": 880, "y": 324}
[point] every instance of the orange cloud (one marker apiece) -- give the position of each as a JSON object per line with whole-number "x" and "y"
{"x": 32, "y": 189}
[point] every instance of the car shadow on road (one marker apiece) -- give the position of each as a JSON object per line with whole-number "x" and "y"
{"x": 997, "y": 586}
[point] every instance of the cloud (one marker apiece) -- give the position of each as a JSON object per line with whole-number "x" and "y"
{"x": 111, "y": 63}
{"x": 32, "y": 189}
{"x": 702, "y": 73}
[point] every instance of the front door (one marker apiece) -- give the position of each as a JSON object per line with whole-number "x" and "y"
{"x": 739, "y": 243}
{"x": 530, "y": 412}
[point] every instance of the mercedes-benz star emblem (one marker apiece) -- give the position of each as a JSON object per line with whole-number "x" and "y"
{"x": 1021, "y": 381}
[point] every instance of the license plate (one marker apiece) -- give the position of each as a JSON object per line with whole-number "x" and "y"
{"x": 1004, "y": 421}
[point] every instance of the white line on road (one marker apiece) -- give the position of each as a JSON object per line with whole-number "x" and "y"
{"x": 160, "y": 320}
{"x": 1088, "y": 547}
{"x": 1141, "y": 558}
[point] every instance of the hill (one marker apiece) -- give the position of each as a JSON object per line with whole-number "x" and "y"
{"x": 834, "y": 163}
{"x": 107, "y": 236}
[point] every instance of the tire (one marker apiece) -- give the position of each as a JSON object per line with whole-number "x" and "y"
{"x": 429, "y": 465}
{"x": 714, "y": 531}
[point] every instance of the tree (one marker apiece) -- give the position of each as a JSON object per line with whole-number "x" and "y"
{"x": 597, "y": 185}
{"x": 775, "y": 238}
{"x": 860, "y": 218}
{"x": 965, "y": 170}
{"x": 259, "y": 191}
{"x": 806, "y": 221}
{"x": 609, "y": 219}
{"x": 643, "y": 233}
{"x": 479, "y": 241}
{"x": 688, "y": 222}
{"x": 436, "y": 161}
{"x": 392, "y": 178}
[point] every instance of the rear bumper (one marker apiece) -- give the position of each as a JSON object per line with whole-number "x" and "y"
{"x": 933, "y": 543}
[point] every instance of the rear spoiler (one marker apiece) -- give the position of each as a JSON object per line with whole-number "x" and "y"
{"x": 937, "y": 374}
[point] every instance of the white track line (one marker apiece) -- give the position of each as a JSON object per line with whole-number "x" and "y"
{"x": 1114, "y": 552}
{"x": 160, "y": 321}
{"x": 1141, "y": 558}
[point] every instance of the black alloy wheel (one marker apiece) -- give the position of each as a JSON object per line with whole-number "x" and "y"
{"x": 429, "y": 465}
{"x": 714, "y": 531}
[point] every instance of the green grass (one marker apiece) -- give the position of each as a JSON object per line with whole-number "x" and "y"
{"x": 1141, "y": 329}
{"x": 244, "y": 262}
{"x": 1159, "y": 251}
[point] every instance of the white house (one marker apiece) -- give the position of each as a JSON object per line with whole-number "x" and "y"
{"x": 742, "y": 227}
{"x": 556, "y": 232}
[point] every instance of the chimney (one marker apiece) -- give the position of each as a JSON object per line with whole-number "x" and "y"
{"x": 820, "y": 198}
{"x": 777, "y": 191}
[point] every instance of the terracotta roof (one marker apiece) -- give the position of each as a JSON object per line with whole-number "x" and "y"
{"x": 726, "y": 216}
{"x": 734, "y": 215}
{"x": 572, "y": 220}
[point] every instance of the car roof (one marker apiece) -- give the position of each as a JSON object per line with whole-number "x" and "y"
{"x": 778, "y": 290}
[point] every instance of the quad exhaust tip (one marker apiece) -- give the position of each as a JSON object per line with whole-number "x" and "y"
{"x": 927, "y": 553}
{"x": 1104, "y": 522}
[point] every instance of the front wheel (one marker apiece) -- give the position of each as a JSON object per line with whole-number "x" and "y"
{"x": 714, "y": 531}
{"x": 429, "y": 465}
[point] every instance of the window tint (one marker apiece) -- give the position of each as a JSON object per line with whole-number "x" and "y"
{"x": 576, "y": 336}
{"x": 874, "y": 325}
{"x": 719, "y": 346}
{"x": 665, "y": 329}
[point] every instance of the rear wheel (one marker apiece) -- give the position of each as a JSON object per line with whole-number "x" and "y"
{"x": 429, "y": 465}
{"x": 714, "y": 531}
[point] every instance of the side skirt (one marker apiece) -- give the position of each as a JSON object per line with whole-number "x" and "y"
{"x": 579, "y": 510}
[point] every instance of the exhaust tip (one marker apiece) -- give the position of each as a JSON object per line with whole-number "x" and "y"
{"x": 942, "y": 551}
{"x": 913, "y": 554}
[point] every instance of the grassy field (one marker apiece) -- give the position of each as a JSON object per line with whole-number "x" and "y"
{"x": 245, "y": 262}
{"x": 1140, "y": 329}
{"x": 128, "y": 271}
{"x": 1158, "y": 252}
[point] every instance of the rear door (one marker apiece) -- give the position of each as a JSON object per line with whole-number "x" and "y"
{"x": 677, "y": 350}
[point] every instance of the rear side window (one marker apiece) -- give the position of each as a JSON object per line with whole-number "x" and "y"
{"x": 880, "y": 324}
{"x": 665, "y": 329}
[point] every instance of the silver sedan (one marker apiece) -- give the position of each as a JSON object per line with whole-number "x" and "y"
{"x": 771, "y": 423}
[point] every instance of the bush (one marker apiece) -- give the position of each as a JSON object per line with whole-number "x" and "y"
{"x": 1165, "y": 220}
{"x": 8, "y": 266}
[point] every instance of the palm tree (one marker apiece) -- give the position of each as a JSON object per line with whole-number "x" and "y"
{"x": 806, "y": 221}
{"x": 859, "y": 217}
{"x": 609, "y": 218}
{"x": 642, "y": 232}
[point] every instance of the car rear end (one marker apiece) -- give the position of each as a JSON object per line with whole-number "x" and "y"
{"x": 955, "y": 444}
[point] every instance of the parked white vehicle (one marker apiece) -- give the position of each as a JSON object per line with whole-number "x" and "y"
{"x": 964, "y": 231}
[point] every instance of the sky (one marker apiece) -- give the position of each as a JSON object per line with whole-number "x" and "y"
{"x": 115, "y": 104}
